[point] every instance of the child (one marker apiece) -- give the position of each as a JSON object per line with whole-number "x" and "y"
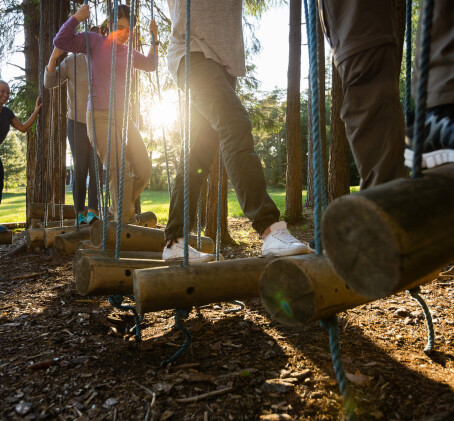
{"x": 7, "y": 119}
{"x": 81, "y": 148}
{"x": 137, "y": 160}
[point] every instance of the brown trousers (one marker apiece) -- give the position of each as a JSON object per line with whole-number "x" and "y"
{"x": 362, "y": 36}
{"x": 137, "y": 164}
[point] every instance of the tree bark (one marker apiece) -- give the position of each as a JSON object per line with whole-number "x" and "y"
{"x": 212, "y": 205}
{"x": 294, "y": 178}
{"x": 338, "y": 180}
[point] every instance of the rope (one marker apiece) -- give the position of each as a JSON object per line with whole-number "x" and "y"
{"x": 408, "y": 10}
{"x": 50, "y": 159}
{"x": 110, "y": 123}
{"x": 60, "y": 150}
{"x": 218, "y": 228}
{"x": 153, "y": 43}
{"x": 414, "y": 293}
{"x": 116, "y": 301}
{"x": 50, "y": 152}
{"x": 75, "y": 184}
{"x": 92, "y": 115}
{"x": 421, "y": 94}
{"x": 199, "y": 222}
{"x": 180, "y": 315}
{"x": 331, "y": 325}
{"x": 124, "y": 138}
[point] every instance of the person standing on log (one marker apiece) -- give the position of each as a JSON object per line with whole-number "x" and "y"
{"x": 363, "y": 39}
{"x": 81, "y": 148}
{"x": 219, "y": 119}
{"x": 137, "y": 160}
{"x": 8, "y": 119}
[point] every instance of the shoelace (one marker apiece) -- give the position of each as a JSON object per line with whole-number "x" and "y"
{"x": 284, "y": 236}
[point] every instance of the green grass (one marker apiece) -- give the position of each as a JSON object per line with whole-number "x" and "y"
{"x": 12, "y": 208}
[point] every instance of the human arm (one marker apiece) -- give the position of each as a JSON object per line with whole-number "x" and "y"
{"x": 150, "y": 62}
{"x": 50, "y": 72}
{"x": 24, "y": 127}
{"x": 67, "y": 39}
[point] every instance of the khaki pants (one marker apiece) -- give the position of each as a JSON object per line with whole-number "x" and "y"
{"x": 137, "y": 164}
{"x": 219, "y": 118}
{"x": 362, "y": 36}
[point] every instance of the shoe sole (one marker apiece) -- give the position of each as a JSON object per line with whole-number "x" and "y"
{"x": 201, "y": 260}
{"x": 430, "y": 159}
{"x": 287, "y": 252}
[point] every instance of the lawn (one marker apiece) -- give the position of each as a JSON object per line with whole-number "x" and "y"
{"x": 12, "y": 208}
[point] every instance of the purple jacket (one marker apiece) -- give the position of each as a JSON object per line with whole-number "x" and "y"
{"x": 100, "y": 62}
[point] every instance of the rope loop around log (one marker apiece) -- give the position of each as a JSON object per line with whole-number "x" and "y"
{"x": 116, "y": 301}
{"x": 331, "y": 325}
{"x": 240, "y": 306}
{"x": 180, "y": 316}
{"x": 415, "y": 294}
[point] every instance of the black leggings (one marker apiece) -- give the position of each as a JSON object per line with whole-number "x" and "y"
{"x": 84, "y": 164}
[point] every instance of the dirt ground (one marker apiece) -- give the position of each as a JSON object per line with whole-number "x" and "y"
{"x": 66, "y": 357}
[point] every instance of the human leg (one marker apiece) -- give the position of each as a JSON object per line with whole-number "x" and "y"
{"x": 2, "y": 177}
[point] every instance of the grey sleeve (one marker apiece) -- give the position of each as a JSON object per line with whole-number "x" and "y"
{"x": 51, "y": 78}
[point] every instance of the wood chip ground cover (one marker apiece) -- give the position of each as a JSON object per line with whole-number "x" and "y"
{"x": 67, "y": 357}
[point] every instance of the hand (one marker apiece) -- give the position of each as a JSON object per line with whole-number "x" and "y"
{"x": 38, "y": 104}
{"x": 83, "y": 13}
{"x": 154, "y": 29}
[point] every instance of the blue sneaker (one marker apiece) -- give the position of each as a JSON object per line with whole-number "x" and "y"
{"x": 92, "y": 217}
{"x": 81, "y": 219}
{"x": 3, "y": 229}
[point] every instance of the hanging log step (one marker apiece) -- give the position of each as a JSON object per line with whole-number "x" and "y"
{"x": 138, "y": 238}
{"x": 384, "y": 238}
{"x": 65, "y": 244}
{"x": 197, "y": 284}
{"x": 146, "y": 219}
{"x": 50, "y": 234}
{"x": 40, "y": 237}
{"x": 126, "y": 254}
{"x": 36, "y": 211}
{"x": 84, "y": 245}
{"x": 100, "y": 275}
{"x": 6, "y": 237}
{"x": 300, "y": 289}
{"x": 55, "y": 224}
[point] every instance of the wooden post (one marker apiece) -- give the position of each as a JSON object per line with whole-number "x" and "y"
{"x": 197, "y": 284}
{"x": 6, "y": 237}
{"x": 300, "y": 289}
{"x": 386, "y": 237}
{"x": 65, "y": 244}
{"x": 138, "y": 238}
{"x": 50, "y": 234}
{"x": 100, "y": 275}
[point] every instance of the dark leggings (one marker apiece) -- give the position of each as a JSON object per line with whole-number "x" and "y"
{"x": 84, "y": 164}
{"x": 2, "y": 177}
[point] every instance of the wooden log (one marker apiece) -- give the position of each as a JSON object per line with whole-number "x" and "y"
{"x": 146, "y": 219}
{"x": 50, "y": 234}
{"x": 34, "y": 237}
{"x": 36, "y": 211}
{"x": 300, "y": 289}
{"x": 55, "y": 224}
{"x": 125, "y": 254}
{"x": 99, "y": 275}
{"x": 14, "y": 225}
{"x": 138, "y": 238}
{"x": 197, "y": 284}
{"x": 384, "y": 238}
{"x": 6, "y": 237}
{"x": 65, "y": 244}
{"x": 85, "y": 245}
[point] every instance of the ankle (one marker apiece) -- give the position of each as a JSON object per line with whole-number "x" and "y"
{"x": 266, "y": 232}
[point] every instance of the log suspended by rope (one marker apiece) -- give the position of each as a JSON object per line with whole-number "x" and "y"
{"x": 50, "y": 234}
{"x": 138, "y": 238}
{"x": 55, "y": 224}
{"x": 44, "y": 237}
{"x": 65, "y": 244}
{"x": 125, "y": 254}
{"x": 197, "y": 284}
{"x": 300, "y": 289}
{"x": 102, "y": 275}
{"x": 36, "y": 211}
{"x": 6, "y": 237}
{"x": 84, "y": 245}
{"x": 385, "y": 238}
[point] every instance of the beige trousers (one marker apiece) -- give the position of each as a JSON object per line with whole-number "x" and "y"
{"x": 137, "y": 164}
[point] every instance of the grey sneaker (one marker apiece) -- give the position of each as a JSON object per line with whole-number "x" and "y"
{"x": 279, "y": 242}
{"x": 176, "y": 252}
{"x": 438, "y": 147}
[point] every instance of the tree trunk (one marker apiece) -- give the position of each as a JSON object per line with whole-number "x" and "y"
{"x": 212, "y": 205}
{"x": 294, "y": 178}
{"x": 338, "y": 182}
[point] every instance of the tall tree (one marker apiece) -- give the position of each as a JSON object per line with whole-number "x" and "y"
{"x": 294, "y": 177}
{"x": 338, "y": 182}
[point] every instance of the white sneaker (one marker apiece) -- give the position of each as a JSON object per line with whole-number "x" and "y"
{"x": 176, "y": 252}
{"x": 279, "y": 242}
